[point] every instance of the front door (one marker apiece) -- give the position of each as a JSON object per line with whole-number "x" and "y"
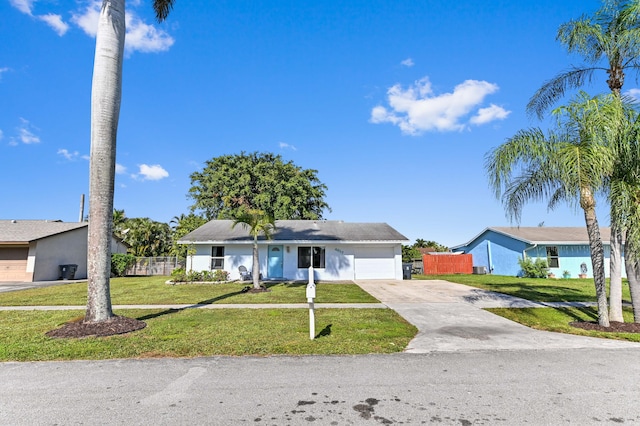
{"x": 276, "y": 260}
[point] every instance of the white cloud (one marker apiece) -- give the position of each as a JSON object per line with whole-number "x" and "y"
{"x": 632, "y": 93}
{"x": 418, "y": 109}
{"x": 68, "y": 155}
{"x": 55, "y": 22}
{"x": 491, "y": 113}
{"x": 3, "y": 70}
{"x": 120, "y": 169}
{"x": 407, "y": 63}
{"x": 24, "y": 6}
{"x": 144, "y": 37}
{"x": 284, "y": 145}
{"x": 1, "y": 135}
{"x": 154, "y": 172}
{"x": 140, "y": 36}
{"x": 25, "y": 135}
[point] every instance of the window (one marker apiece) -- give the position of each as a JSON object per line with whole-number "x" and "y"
{"x": 306, "y": 255}
{"x": 217, "y": 257}
{"x": 552, "y": 257}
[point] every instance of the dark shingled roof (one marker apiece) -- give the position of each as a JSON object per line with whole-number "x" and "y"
{"x": 24, "y": 231}
{"x": 298, "y": 230}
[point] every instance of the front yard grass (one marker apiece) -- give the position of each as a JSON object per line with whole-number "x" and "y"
{"x": 155, "y": 291}
{"x": 202, "y": 332}
{"x": 536, "y": 289}
{"x": 208, "y": 332}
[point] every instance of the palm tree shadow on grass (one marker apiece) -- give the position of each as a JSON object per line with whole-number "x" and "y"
{"x": 324, "y": 332}
{"x": 204, "y": 302}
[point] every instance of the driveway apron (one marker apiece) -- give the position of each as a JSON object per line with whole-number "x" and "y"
{"x": 450, "y": 318}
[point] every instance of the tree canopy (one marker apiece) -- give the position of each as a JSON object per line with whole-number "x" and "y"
{"x": 262, "y": 181}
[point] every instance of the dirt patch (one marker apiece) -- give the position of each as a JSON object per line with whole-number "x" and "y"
{"x": 249, "y": 289}
{"x": 614, "y": 326}
{"x": 111, "y": 327}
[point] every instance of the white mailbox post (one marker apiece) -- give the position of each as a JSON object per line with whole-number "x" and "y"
{"x": 311, "y": 294}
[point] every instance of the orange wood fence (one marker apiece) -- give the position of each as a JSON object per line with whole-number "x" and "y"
{"x": 440, "y": 264}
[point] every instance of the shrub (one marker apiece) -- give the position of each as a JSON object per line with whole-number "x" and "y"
{"x": 179, "y": 275}
{"x": 194, "y": 276}
{"x": 534, "y": 269}
{"x": 220, "y": 275}
{"x": 120, "y": 262}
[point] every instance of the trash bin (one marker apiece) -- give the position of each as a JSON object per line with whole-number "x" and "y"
{"x": 406, "y": 271}
{"x": 67, "y": 272}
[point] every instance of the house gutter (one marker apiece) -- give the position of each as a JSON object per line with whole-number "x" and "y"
{"x": 489, "y": 256}
{"x": 524, "y": 252}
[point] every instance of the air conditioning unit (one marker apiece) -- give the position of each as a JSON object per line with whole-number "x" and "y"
{"x": 479, "y": 270}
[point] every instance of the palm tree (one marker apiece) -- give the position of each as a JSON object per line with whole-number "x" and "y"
{"x": 257, "y": 222}
{"x": 106, "y": 94}
{"x": 608, "y": 42}
{"x": 568, "y": 164}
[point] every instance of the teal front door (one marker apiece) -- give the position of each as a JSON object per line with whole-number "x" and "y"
{"x": 276, "y": 260}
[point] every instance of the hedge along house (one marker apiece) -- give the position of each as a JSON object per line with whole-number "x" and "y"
{"x": 498, "y": 249}
{"x": 34, "y": 250}
{"x": 337, "y": 250}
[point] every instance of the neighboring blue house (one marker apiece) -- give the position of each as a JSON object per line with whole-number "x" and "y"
{"x": 498, "y": 249}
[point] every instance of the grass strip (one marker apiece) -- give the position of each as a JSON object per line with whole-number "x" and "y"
{"x": 536, "y": 289}
{"x": 155, "y": 291}
{"x": 558, "y": 319}
{"x": 197, "y": 332}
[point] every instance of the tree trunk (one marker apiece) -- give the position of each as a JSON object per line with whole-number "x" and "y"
{"x": 597, "y": 260}
{"x": 632, "y": 266}
{"x": 615, "y": 275}
{"x": 105, "y": 110}
{"x": 255, "y": 273}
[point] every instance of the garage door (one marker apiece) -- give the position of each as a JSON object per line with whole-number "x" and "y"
{"x": 13, "y": 263}
{"x": 374, "y": 263}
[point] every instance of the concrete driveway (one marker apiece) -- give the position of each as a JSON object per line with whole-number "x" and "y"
{"x": 450, "y": 318}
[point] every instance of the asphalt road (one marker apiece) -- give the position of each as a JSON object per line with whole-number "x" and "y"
{"x": 540, "y": 387}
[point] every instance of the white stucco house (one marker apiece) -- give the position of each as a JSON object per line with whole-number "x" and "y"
{"x": 34, "y": 250}
{"x": 337, "y": 250}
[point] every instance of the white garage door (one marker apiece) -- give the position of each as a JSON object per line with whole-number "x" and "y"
{"x": 374, "y": 263}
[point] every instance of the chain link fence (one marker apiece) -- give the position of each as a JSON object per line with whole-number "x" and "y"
{"x": 155, "y": 265}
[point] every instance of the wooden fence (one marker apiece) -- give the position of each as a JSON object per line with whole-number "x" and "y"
{"x": 440, "y": 264}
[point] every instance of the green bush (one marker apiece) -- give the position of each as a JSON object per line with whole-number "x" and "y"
{"x": 179, "y": 275}
{"x": 534, "y": 269}
{"x": 120, "y": 262}
{"x": 220, "y": 275}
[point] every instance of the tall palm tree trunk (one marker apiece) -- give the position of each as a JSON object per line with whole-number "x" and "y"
{"x": 105, "y": 110}
{"x": 255, "y": 272}
{"x": 597, "y": 257}
{"x": 632, "y": 265}
{"x": 615, "y": 274}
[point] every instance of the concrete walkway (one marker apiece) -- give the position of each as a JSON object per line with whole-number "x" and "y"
{"x": 450, "y": 318}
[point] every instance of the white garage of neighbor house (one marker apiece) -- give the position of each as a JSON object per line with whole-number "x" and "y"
{"x": 34, "y": 250}
{"x": 337, "y": 250}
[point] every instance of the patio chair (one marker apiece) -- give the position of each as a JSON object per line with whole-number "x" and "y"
{"x": 244, "y": 274}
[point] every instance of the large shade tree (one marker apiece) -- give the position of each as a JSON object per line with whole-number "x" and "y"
{"x": 569, "y": 164}
{"x": 609, "y": 43}
{"x": 106, "y": 94}
{"x": 261, "y": 181}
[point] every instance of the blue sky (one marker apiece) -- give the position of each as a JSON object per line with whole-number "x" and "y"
{"x": 394, "y": 102}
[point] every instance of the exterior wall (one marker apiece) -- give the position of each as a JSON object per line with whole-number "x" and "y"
{"x": 496, "y": 252}
{"x": 339, "y": 261}
{"x": 500, "y": 254}
{"x": 61, "y": 249}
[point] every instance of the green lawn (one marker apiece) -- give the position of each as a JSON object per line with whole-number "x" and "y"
{"x": 154, "y": 290}
{"x": 537, "y": 289}
{"x": 202, "y": 332}
{"x": 208, "y": 332}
